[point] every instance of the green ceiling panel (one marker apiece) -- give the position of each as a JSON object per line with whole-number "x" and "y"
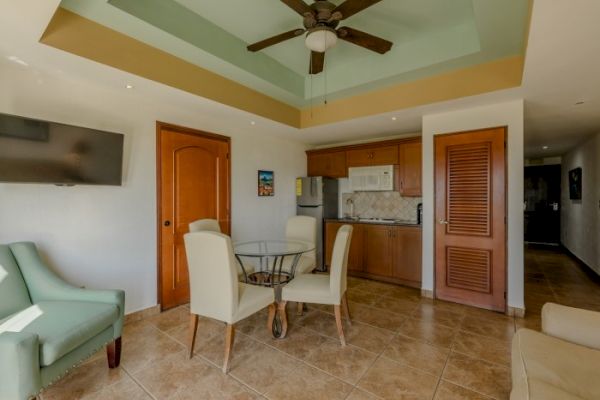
{"x": 430, "y": 37}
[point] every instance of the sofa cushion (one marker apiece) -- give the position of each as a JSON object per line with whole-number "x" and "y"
{"x": 62, "y": 325}
{"x": 14, "y": 295}
{"x": 567, "y": 367}
{"x": 538, "y": 390}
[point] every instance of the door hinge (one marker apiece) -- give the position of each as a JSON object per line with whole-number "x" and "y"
{"x": 504, "y": 295}
{"x": 227, "y": 156}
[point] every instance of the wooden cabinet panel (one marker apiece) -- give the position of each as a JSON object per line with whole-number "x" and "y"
{"x": 330, "y": 164}
{"x": 358, "y": 158}
{"x": 408, "y": 180}
{"x": 355, "y": 256}
{"x": 407, "y": 253}
{"x": 378, "y": 250}
{"x": 384, "y": 155}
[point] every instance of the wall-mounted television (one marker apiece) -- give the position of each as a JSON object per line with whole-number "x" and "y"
{"x": 34, "y": 151}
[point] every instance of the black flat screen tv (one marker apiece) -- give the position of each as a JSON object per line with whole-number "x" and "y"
{"x": 34, "y": 151}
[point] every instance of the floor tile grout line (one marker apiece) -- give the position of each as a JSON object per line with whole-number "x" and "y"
{"x": 140, "y": 385}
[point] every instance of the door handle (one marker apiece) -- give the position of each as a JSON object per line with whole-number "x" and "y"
{"x": 443, "y": 222}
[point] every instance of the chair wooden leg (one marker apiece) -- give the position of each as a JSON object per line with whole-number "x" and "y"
{"x": 271, "y": 317}
{"x": 113, "y": 353}
{"x": 346, "y": 308}
{"x": 283, "y": 317}
{"x": 300, "y": 309}
{"x": 338, "y": 321}
{"x": 229, "y": 338}
{"x": 192, "y": 334}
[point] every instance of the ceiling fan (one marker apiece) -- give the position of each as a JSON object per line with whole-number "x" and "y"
{"x": 320, "y": 21}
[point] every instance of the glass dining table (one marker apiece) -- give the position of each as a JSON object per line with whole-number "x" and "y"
{"x": 274, "y": 263}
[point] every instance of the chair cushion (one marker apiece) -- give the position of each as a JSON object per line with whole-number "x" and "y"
{"x": 309, "y": 288}
{"x": 14, "y": 295}
{"x": 252, "y": 299}
{"x": 62, "y": 326}
{"x": 567, "y": 367}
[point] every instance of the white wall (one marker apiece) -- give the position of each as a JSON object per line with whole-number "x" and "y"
{"x": 508, "y": 114}
{"x": 580, "y": 219}
{"x": 105, "y": 237}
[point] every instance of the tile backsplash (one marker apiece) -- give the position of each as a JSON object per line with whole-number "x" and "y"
{"x": 381, "y": 205}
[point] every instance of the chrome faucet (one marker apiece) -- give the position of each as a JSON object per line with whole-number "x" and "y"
{"x": 350, "y": 202}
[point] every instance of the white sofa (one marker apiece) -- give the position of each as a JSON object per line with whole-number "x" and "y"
{"x": 563, "y": 361}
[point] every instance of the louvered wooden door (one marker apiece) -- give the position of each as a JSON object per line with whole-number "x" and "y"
{"x": 470, "y": 215}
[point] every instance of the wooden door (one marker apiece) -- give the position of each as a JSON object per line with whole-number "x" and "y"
{"x": 378, "y": 250}
{"x": 409, "y": 183}
{"x": 407, "y": 254}
{"x": 193, "y": 182}
{"x": 470, "y": 212}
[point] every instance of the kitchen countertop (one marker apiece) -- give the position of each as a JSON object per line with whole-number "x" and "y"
{"x": 370, "y": 221}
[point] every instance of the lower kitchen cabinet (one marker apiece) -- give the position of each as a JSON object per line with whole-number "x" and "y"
{"x": 390, "y": 253}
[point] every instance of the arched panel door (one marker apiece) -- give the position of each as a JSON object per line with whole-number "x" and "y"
{"x": 193, "y": 184}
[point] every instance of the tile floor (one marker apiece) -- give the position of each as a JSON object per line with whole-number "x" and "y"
{"x": 400, "y": 347}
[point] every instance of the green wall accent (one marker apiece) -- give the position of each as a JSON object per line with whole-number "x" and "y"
{"x": 430, "y": 37}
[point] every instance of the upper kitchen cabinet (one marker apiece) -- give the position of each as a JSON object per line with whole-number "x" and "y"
{"x": 408, "y": 178}
{"x": 331, "y": 164}
{"x": 364, "y": 157}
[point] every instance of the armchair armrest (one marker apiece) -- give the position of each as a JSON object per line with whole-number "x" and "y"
{"x": 19, "y": 365}
{"x": 44, "y": 285}
{"x": 574, "y": 325}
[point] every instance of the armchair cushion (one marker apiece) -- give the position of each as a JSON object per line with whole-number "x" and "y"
{"x": 14, "y": 295}
{"x": 62, "y": 326}
{"x": 575, "y": 325}
{"x": 560, "y": 365}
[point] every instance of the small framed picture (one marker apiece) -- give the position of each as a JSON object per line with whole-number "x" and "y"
{"x": 575, "y": 184}
{"x": 266, "y": 183}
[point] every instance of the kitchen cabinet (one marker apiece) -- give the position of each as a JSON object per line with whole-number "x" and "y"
{"x": 406, "y": 256}
{"x": 389, "y": 253}
{"x": 363, "y": 157}
{"x": 355, "y": 255}
{"x": 408, "y": 178}
{"x": 329, "y": 164}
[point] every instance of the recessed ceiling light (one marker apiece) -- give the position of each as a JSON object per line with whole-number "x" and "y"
{"x": 545, "y": 147}
{"x": 252, "y": 123}
{"x": 579, "y": 103}
{"x": 17, "y": 60}
{"x": 394, "y": 118}
{"x": 129, "y": 86}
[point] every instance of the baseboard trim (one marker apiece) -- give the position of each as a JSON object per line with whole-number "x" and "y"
{"x": 589, "y": 271}
{"x": 428, "y": 294}
{"x": 141, "y": 314}
{"x": 516, "y": 312}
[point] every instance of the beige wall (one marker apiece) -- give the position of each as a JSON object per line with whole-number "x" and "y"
{"x": 580, "y": 219}
{"x": 105, "y": 236}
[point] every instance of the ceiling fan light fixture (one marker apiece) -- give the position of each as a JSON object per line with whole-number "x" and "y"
{"x": 321, "y": 39}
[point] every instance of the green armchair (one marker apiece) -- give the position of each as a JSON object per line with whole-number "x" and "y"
{"x": 48, "y": 326}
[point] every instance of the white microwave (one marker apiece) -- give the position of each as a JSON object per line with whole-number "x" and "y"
{"x": 371, "y": 179}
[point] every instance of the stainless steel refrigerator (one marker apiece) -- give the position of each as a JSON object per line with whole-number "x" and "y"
{"x": 318, "y": 197}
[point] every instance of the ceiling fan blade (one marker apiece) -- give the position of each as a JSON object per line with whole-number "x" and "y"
{"x": 299, "y": 6}
{"x": 365, "y": 40}
{"x": 275, "y": 39}
{"x": 317, "y": 60}
{"x": 351, "y": 7}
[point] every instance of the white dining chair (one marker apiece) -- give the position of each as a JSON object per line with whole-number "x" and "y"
{"x": 303, "y": 229}
{"x": 325, "y": 289}
{"x": 215, "y": 291}
{"x": 212, "y": 225}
